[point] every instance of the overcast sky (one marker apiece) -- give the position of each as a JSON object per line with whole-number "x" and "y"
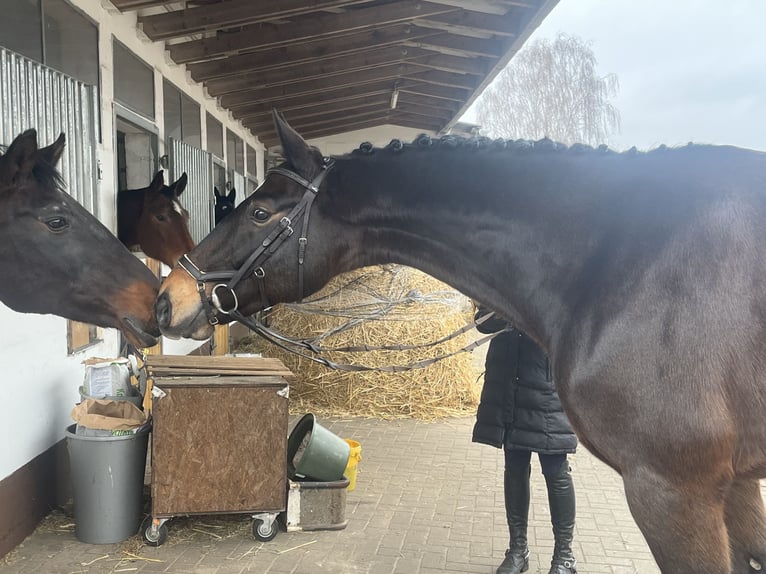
{"x": 689, "y": 70}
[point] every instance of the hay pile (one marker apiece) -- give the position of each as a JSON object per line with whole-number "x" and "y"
{"x": 385, "y": 305}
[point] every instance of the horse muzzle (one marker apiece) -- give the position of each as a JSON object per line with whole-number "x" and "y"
{"x": 178, "y": 309}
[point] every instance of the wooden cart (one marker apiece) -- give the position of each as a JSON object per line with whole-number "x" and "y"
{"x": 218, "y": 442}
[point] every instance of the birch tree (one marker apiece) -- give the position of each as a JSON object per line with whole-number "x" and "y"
{"x": 551, "y": 89}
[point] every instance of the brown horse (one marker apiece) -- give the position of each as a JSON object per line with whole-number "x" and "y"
{"x": 154, "y": 219}
{"x": 643, "y": 275}
{"x": 57, "y": 258}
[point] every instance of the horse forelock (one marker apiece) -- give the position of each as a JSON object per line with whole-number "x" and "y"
{"x": 43, "y": 173}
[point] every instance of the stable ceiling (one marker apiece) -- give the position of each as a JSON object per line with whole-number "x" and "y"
{"x": 333, "y": 66}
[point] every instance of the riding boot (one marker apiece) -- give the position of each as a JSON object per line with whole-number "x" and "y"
{"x": 516, "y": 488}
{"x": 561, "y": 499}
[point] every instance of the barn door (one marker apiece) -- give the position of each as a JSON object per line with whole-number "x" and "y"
{"x": 35, "y": 96}
{"x": 198, "y": 198}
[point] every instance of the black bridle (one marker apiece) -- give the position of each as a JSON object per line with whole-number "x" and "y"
{"x": 254, "y": 263}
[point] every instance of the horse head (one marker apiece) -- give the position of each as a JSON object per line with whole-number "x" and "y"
{"x": 154, "y": 219}
{"x": 57, "y": 258}
{"x": 224, "y": 204}
{"x": 267, "y": 234}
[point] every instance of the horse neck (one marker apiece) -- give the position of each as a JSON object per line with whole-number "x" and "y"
{"x": 481, "y": 223}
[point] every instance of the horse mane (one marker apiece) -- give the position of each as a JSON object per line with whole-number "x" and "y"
{"x": 481, "y": 143}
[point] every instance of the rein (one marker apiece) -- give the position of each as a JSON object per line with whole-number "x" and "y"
{"x": 253, "y": 264}
{"x": 298, "y": 346}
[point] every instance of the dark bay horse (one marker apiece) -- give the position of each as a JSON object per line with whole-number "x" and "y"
{"x": 643, "y": 275}
{"x": 224, "y": 204}
{"x": 57, "y": 258}
{"x": 154, "y": 219}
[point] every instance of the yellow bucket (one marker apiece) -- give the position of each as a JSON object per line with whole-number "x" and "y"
{"x": 353, "y": 461}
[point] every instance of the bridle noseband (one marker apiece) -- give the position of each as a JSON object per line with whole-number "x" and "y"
{"x": 229, "y": 279}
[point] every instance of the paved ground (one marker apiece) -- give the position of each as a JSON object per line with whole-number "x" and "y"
{"x": 427, "y": 501}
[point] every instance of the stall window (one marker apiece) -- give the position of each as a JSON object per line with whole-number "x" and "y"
{"x": 53, "y": 33}
{"x": 252, "y": 162}
{"x": 214, "y": 136}
{"x": 133, "y": 82}
{"x": 235, "y": 152}
{"x": 182, "y": 120}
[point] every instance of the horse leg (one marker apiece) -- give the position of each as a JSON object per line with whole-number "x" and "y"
{"x": 746, "y": 522}
{"x": 682, "y": 521}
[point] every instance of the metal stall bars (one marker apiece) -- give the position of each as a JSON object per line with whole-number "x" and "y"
{"x": 198, "y": 198}
{"x": 35, "y": 96}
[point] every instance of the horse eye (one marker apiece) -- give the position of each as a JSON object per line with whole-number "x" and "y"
{"x": 261, "y": 215}
{"x": 160, "y": 217}
{"x": 57, "y": 223}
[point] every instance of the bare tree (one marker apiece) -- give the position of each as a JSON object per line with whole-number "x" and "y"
{"x": 551, "y": 89}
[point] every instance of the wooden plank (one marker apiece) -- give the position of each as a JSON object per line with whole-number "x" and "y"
{"x": 266, "y": 120}
{"x": 199, "y": 361}
{"x": 332, "y": 66}
{"x": 448, "y": 79}
{"x": 126, "y": 5}
{"x": 235, "y": 13}
{"x": 467, "y": 23}
{"x": 309, "y": 51}
{"x": 271, "y": 381}
{"x": 301, "y": 30}
{"x": 330, "y": 95}
{"x": 461, "y": 46}
{"x": 219, "y": 449}
{"x": 302, "y": 88}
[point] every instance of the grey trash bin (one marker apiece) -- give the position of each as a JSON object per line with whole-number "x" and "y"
{"x": 107, "y": 483}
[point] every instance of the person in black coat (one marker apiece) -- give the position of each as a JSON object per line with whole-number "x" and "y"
{"x": 521, "y": 413}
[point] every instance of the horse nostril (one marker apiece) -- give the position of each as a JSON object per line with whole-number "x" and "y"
{"x": 162, "y": 310}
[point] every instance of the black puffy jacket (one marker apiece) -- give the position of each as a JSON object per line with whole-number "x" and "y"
{"x": 519, "y": 406}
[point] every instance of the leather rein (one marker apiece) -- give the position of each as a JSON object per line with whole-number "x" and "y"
{"x": 228, "y": 279}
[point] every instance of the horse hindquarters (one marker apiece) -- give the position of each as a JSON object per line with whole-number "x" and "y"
{"x": 682, "y": 519}
{"x": 746, "y": 523}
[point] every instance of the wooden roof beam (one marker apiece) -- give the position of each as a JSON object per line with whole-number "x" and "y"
{"x": 327, "y": 96}
{"x": 302, "y": 29}
{"x": 126, "y": 5}
{"x": 234, "y": 13}
{"x": 497, "y": 7}
{"x": 345, "y": 64}
{"x": 475, "y": 24}
{"x": 292, "y": 113}
{"x": 257, "y": 95}
{"x": 309, "y": 51}
{"x": 461, "y": 46}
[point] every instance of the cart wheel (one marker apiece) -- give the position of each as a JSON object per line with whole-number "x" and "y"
{"x": 151, "y": 539}
{"x": 264, "y": 532}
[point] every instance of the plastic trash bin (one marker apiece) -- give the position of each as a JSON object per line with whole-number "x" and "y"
{"x": 107, "y": 483}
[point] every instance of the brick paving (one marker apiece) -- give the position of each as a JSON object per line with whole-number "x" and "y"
{"x": 427, "y": 500}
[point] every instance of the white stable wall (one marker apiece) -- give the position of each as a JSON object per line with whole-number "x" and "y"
{"x": 39, "y": 380}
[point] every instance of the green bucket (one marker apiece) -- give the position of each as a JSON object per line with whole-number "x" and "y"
{"x": 316, "y": 453}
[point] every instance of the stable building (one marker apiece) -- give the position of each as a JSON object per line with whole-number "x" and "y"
{"x": 189, "y": 86}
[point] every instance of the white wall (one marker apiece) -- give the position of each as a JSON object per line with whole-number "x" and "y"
{"x": 379, "y": 137}
{"x": 39, "y": 383}
{"x": 39, "y": 380}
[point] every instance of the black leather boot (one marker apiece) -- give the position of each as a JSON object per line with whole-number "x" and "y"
{"x": 516, "y": 487}
{"x": 561, "y": 499}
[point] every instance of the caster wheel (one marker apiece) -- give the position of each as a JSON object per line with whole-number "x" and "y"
{"x": 157, "y": 538}
{"x": 264, "y": 532}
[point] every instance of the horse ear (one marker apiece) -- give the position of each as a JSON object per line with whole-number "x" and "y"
{"x": 20, "y": 157}
{"x": 295, "y": 149}
{"x": 157, "y": 183}
{"x": 232, "y": 194}
{"x": 215, "y": 191}
{"x": 179, "y": 185}
{"x": 52, "y": 153}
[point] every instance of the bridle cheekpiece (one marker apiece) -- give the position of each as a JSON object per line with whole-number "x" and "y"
{"x": 229, "y": 279}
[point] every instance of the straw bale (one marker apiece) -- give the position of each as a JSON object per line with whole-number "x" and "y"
{"x": 384, "y": 305}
